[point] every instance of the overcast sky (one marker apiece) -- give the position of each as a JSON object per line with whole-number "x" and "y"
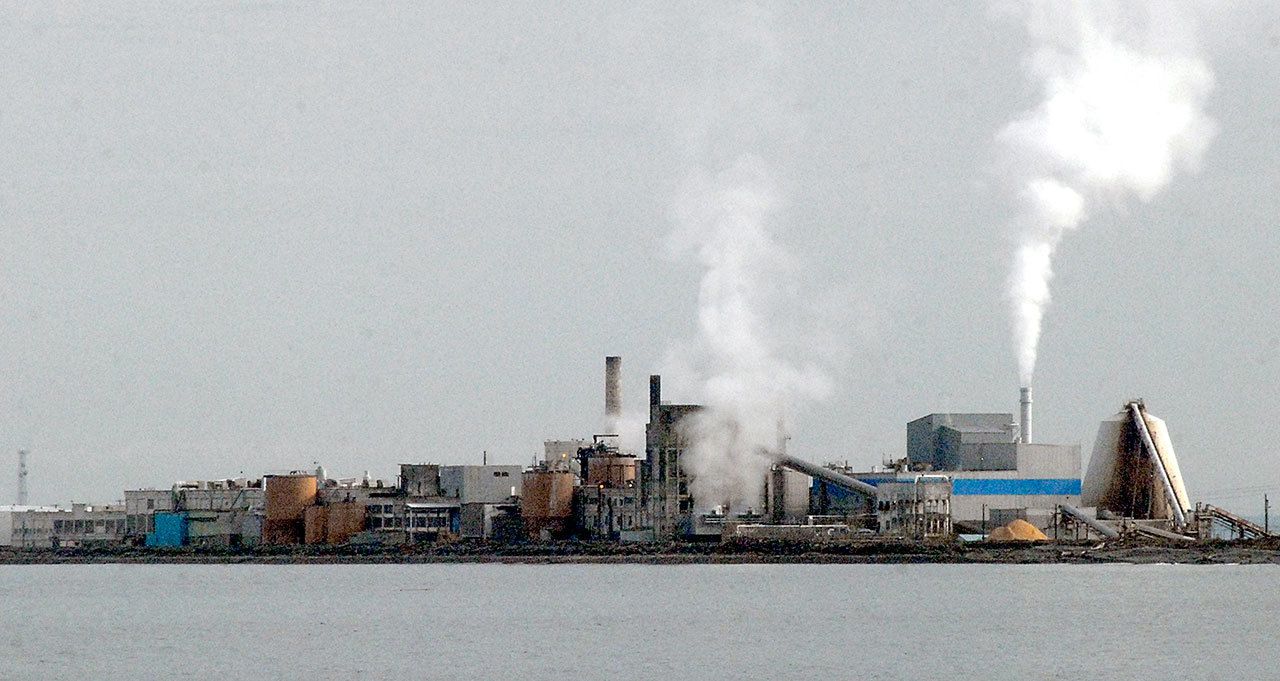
{"x": 250, "y": 236}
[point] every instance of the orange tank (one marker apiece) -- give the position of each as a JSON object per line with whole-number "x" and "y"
{"x": 345, "y": 520}
{"x": 611, "y": 471}
{"x": 287, "y": 499}
{"x": 546, "y": 502}
{"x": 316, "y": 522}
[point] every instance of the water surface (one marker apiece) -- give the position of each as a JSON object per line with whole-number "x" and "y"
{"x": 322, "y": 622}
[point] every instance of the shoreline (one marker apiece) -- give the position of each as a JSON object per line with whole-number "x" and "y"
{"x": 1254, "y": 552}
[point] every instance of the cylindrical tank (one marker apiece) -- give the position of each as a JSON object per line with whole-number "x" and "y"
{"x": 611, "y": 470}
{"x": 286, "y": 500}
{"x": 546, "y": 502}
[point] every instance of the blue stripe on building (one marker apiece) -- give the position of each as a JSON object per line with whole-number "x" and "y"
{"x": 1015, "y": 486}
{"x": 976, "y": 486}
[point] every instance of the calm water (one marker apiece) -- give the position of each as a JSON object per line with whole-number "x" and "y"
{"x": 638, "y": 622}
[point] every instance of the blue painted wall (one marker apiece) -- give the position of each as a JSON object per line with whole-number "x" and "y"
{"x": 171, "y": 530}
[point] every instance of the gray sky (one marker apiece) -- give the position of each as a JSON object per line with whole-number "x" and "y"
{"x": 249, "y": 236}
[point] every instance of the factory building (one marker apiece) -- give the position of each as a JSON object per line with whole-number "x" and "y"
{"x": 354, "y": 505}
{"x": 57, "y": 526}
{"x": 566, "y": 451}
{"x": 414, "y": 509}
{"x": 919, "y": 508}
{"x": 480, "y": 484}
{"x": 665, "y": 486}
{"x": 420, "y": 479}
{"x": 225, "y": 512}
{"x": 996, "y": 476}
{"x": 495, "y": 521}
{"x": 27, "y": 526}
{"x": 608, "y": 501}
{"x": 333, "y": 523}
{"x": 221, "y": 512}
{"x": 140, "y": 506}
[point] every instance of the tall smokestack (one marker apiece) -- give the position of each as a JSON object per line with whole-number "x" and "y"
{"x": 1026, "y": 414}
{"x": 612, "y": 392}
{"x": 655, "y": 391}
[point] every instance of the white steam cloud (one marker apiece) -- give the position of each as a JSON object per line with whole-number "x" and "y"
{"x": 747, "y": 388}
{"x": 1122, "y": 111}
{"x": 723, "y": 219}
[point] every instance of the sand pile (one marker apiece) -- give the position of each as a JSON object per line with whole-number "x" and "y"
{"x": 1018, "y": 530}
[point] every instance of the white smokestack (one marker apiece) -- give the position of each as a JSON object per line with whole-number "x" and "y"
{"x": 1122, "y": 109}
{"x": 1026, "y": 415}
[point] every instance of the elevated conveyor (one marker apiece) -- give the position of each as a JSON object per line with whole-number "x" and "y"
{"x": 1240, "y": 527}
{"x": 827, "y": 475}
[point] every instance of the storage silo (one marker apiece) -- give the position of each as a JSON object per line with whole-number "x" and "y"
{"x": 546, "y": 502}
{"x": 611, "y": 469}
{"x": 1133, "y": 471}
{"x": 286, "y": 502}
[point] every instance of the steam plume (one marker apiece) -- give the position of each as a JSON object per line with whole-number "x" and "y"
{"x": 723, "y": 217}
{"x": 1123, "y": 92}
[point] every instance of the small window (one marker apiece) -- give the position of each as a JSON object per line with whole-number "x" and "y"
{"x": 151, "y": 504}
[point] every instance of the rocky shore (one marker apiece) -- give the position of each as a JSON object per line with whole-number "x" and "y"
{"x": 1265, "y": 551}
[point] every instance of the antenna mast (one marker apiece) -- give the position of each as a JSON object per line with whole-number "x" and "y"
{"x": 22, "y": 477}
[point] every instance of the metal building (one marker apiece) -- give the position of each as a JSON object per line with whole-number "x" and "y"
{"x": 994, "y": 475}
{"x": 480, "y": 484}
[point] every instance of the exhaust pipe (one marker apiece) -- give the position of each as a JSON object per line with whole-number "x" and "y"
{"x": 1026, "y": 415}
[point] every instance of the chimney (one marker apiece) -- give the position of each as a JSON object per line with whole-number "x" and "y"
{"x": 655, "y": 391}
{"x": 613, "y": 392}
{"x": 1026, "y": 415}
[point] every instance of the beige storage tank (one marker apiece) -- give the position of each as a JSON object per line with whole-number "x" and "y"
{"x": 546, "y": 502}
{"x": 287, "y": 499}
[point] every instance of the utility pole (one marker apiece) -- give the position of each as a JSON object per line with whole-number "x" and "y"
{"x": 1266, "y": 514}
{"x": 22, "y": 477}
